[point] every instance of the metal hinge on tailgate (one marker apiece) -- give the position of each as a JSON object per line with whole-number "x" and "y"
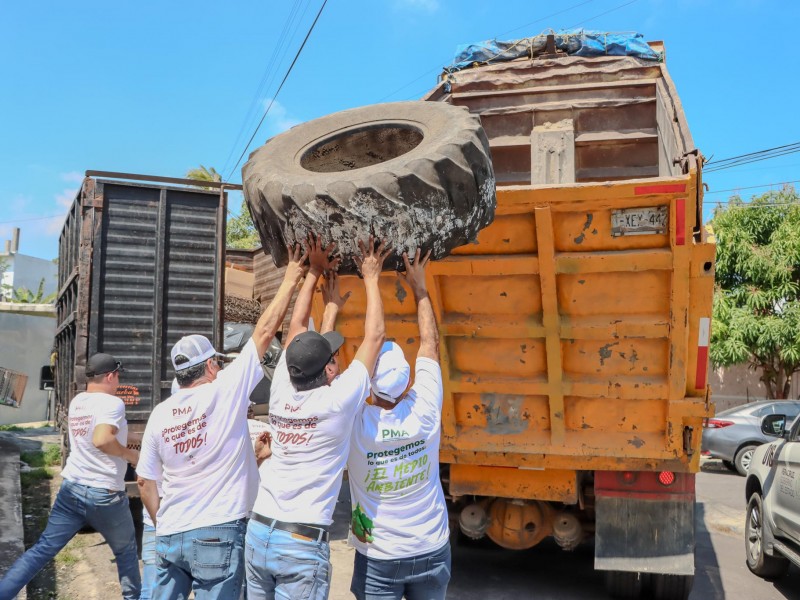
{"x": 688, "y": 432}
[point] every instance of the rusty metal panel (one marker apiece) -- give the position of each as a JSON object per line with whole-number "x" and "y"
{"x": 242, "y": 259}
{"x": 140, "y": 266}
{"x": 551, "y": 484}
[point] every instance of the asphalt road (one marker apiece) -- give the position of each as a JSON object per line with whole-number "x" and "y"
{"x": 484, "y": 571}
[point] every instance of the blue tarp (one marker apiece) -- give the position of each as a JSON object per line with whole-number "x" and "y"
{"x": 577, "y": 42}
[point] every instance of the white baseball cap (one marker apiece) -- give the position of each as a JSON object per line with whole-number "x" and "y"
{"x": 195, "y": 348}
{"x": 392, "y": 373}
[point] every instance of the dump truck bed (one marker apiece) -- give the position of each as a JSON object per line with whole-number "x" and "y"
{"x": 574, "y": 332}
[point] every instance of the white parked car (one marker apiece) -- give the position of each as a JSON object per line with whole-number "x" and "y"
{"x": 772, "y": 528}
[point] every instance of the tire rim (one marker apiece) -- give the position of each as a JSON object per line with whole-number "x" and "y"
{"x": 754, "y": 534}
{"x": 746, "y": 458}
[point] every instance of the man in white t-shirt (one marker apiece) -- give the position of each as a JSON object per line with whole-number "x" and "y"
{"x": 399, "y": 521}
{"x": 93, "y": 491}
{"x": 311, "y": 411}
{"x": 197, "y": 443}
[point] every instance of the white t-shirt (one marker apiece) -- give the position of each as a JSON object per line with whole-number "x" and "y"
{"x": 197, "y": 443}
{"x": 393, "y": 470}
{"x": 86, "y": 464}
{"x": 310, "y": 437}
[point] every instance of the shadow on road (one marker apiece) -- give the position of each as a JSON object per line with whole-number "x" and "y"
{"x": 707, "y": 578}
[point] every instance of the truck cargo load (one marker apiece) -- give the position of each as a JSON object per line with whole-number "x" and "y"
{"x": 574, "y": 331}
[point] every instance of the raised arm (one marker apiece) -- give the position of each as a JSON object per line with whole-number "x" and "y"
{"x": 333, "y": 300}
{"x": 272, "y": 318}
{"x": 370, "y": 263}
{"x": 428, "y": 332}
{"x": 319, "y": 262}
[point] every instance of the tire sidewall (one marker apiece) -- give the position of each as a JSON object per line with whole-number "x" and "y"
{"x": 737, "y": 460}
{"x": 754, "y": 503}
{"x": 436, "y": 121}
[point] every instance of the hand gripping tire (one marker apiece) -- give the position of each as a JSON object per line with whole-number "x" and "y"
{"x": 413, "y": 173}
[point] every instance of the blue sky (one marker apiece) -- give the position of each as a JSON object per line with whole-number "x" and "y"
{"x": 161, "y": 87}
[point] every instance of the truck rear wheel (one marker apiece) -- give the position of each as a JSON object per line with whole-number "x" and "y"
{"x": 671, "y": 587}
{"x": 409, "y": 172}
{"x": 625, "y": 585}
{"x": 758, "y": 561}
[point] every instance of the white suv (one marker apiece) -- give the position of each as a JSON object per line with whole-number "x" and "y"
{"x": 772, "y": 528}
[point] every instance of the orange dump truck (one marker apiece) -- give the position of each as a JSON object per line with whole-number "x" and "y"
{"x": 574, "y": 333}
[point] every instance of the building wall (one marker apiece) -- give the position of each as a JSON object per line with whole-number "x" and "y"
{"x": 28, "y": 271}
{"x": 26, "y": 347}
{"x": 736, "y": 385}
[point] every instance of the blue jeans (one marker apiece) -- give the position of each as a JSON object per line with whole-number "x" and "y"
{"x": 422, "y": 577}
{"x": 148, "y": 562}
{"x": 285, "y": 565}
{"x": 208, "y": 560}
{"x": 77, "y": 506}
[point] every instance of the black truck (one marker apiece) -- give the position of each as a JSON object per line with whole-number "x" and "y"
{"x": 140, "y": 264}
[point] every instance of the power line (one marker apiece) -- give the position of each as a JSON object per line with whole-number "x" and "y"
{"x": 751, "y": 205}
{"x": 745, "y": 159}
{"x": 753, "y": 187}
{"x": 722, "y": 160}
{"x": 269, "y": 75}
{"x": 272, "y": 101}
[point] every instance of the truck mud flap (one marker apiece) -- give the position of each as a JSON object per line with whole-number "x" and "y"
{"x": 645, "y": 532}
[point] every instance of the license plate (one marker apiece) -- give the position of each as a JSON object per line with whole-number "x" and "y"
{"x": 647, "y": 220}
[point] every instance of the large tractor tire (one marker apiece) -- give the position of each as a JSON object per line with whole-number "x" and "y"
{"x": 412, "y": 173}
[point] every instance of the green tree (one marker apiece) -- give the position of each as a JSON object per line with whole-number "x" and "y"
{"x": 240, "y": 231}
{"x": 202, "y": 173}
{"x": 757, "y": 296}
{"x": 23, "y": 295}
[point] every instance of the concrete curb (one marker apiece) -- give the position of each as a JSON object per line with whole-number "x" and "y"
{"x": 11, "y": 533}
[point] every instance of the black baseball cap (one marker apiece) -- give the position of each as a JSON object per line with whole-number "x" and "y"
{"x": 309, "y": 352}
{"x": 100, "y": 364}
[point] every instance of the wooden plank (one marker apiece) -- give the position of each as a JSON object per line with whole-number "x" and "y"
{"x": 603, "y": 137}
{"x": 551, "y": 321}
{"x": 548, "y": 89}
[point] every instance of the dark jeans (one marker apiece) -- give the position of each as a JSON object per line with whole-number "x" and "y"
{"x": 77, "y": 506}
{"x": 206, "y": 560}
{"x": 422, "y": 577}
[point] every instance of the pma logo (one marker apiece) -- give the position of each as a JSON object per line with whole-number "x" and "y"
{"x": 393, "y": 434}
{"x": 181, "y": 411}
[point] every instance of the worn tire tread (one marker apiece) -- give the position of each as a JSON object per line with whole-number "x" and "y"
{"x": 439, "y": 194}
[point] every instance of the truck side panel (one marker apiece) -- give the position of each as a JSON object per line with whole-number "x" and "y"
{"x": 140, "y": 266}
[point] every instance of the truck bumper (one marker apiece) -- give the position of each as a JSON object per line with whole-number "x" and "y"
{"x": 645, "y": 531}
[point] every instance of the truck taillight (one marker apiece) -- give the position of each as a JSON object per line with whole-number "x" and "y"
{"x": 718, "y": 423}
{"x": 666, "y": 478}
{"x": 644, "y": 484}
